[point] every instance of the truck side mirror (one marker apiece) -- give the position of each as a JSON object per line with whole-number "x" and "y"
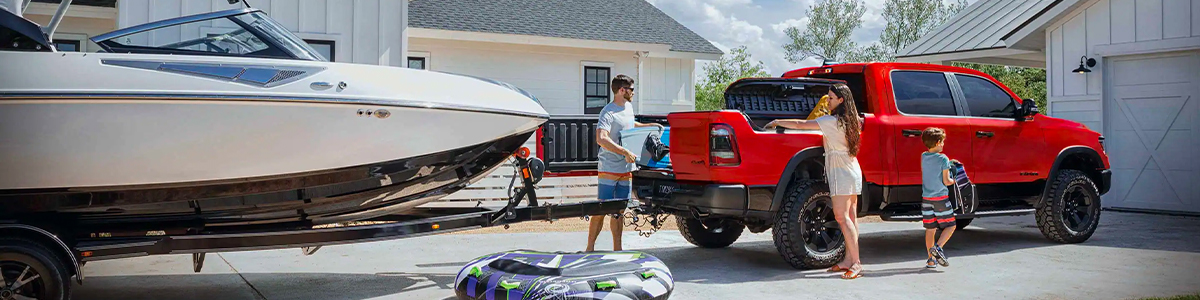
{"x": 1028, "y": 110}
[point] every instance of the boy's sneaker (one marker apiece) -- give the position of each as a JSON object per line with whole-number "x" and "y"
{"x": 939, "y": 256}
{"x": 930, "y": 264}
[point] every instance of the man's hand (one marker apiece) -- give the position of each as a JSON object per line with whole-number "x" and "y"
{"x": 630, "y": 157}
{"x": 660, "y": 126}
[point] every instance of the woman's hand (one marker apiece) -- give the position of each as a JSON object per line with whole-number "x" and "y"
{"x": 771, "y": 125}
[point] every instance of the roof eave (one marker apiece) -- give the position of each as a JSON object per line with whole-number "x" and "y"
{"x": 1032, "y": 34}
{"x": 995, "y": 55}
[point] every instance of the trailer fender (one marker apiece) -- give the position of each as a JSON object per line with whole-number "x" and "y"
{"x": 42, "y": 234}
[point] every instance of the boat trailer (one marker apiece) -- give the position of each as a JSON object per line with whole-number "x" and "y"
{"x": 422, "y": 221}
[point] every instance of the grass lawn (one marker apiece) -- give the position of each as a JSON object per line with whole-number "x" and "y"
{"x": 1184, "y": 297}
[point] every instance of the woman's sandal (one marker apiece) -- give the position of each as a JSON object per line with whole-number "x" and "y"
{"x": 850, "y": 274}
{"x": 837, "y": 268}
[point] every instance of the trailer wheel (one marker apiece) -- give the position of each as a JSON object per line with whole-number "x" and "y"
{"x": 806, "y": 233}
{"x": 711, "y": 233}
{"x": 31, "y": 271}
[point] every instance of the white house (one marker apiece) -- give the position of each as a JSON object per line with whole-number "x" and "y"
{"x": 1141, "y": 93}
{"x": 564, "y": 52}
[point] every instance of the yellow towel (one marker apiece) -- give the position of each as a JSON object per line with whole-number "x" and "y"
{"x": 821, "y": 109}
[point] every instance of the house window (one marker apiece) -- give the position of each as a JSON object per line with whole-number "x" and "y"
{"x": 416, "y": 62}
{"x": 595, "y": 89}
{"x": 66, "y": 45}
{"x": 325, "y": 48}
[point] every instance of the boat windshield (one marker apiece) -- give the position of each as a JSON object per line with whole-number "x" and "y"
{"x": 239, "y": 32}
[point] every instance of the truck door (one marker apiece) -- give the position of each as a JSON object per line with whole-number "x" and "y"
{"x": 1005, "y": 149}
{"x": 924, "y": 99}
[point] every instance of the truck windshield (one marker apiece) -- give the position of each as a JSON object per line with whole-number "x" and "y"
{"x": 857, "y": 84}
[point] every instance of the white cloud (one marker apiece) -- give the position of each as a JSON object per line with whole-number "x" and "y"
{"x": 733, "y": 23}
{"x": 781, "y": 26}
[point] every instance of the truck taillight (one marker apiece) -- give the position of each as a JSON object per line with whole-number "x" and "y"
{"x": 722, "y": 148}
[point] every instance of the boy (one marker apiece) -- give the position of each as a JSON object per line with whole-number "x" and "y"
{"x": 936, "y": 211}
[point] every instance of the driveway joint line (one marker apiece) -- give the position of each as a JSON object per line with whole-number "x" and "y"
{"x": 257, "y": 293}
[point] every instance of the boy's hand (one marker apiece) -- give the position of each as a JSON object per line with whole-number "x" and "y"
{"x": 955, "y": 161}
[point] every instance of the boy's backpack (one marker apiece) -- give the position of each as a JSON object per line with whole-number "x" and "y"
{"x": 963, "y": 191}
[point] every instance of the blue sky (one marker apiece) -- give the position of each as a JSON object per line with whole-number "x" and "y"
{"x": 759, "y": 25}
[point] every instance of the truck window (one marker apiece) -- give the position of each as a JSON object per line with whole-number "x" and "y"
{"x": 923, "y": 93}
{"x": 985, "y": 99}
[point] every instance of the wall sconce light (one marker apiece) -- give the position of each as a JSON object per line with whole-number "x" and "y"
{"x": 1084, "y": 60}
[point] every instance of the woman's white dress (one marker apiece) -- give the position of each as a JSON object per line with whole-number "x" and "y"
{"x": 841, "y": 170}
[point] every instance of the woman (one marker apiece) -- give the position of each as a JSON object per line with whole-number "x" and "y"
{"x": 841, "y": 131}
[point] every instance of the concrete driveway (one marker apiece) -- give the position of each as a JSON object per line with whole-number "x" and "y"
{"x": 1132, "y": 255}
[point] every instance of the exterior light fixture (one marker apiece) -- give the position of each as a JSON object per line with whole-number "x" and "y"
{"x": 1085, "y": 64}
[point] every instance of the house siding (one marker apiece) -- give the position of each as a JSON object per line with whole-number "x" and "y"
{"x": 555, "y": 76}
{"x": 1107, "y": 23}
{"x": 364, "y": 31}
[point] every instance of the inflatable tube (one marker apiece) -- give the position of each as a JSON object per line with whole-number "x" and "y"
{"x": 523, "y": 274}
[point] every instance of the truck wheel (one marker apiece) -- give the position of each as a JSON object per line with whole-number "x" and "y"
{"x": 31, "y": 271}
{"x": 710, "y": 233}
{"x": 806, "y": 233}
{"x": 1072, "y": 212}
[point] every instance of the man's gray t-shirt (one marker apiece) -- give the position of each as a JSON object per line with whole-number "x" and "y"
{"x": 614, "y": 118}
{"x": 932, "y": 165}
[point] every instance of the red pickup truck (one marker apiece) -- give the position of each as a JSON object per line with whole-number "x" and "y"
{"x": 728, "y": 174}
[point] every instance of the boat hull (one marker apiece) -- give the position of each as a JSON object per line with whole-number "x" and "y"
{"x": 314, "y": 198}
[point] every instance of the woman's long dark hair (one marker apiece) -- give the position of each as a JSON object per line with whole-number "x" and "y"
{"x": 847, "y": 116}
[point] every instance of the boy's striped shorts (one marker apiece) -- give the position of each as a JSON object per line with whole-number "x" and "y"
{"x": 937, "y": 212}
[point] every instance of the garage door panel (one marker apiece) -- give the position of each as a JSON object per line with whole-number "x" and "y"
{"x": 1139, "y": 71}
{"x": 1153, "y": 137}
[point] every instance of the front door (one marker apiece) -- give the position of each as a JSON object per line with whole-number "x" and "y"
{"x": 924, "y": 100}
{"x": 1004, "y": 149}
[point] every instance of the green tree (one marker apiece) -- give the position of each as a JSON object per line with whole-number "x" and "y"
{"x": 830, "y": 24}
{"x": 737, "y": 64}
{"x": 1027, "y": 83}
{"x": 909, "y": 20}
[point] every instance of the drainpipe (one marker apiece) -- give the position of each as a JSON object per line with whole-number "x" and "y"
{"x": 640, "y": 78}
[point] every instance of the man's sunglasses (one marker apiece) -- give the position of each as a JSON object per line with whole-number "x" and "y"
{"x": 628, "y": 88}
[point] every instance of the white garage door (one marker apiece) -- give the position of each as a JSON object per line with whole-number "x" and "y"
{"x": 1152, "y": 117}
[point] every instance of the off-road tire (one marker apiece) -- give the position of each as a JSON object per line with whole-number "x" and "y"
{"x": 721, "y": 236}
{"x": 959, "y": 224}
{"x": 788, "y": 228}
{"x": 46, "y": 263}
{"x": 1050, "y": 216}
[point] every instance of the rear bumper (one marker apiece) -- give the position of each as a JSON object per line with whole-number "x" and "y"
{"x": 703, "y": 198}
{"x": 1105, "y": 181}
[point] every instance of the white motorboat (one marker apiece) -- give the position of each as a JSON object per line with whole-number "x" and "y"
{"x": 244, "y": 127}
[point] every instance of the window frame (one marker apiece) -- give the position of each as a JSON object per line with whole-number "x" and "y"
{"x": 331, "y": 43}
{"x": 607, "y": 82}
{"x": 955, "y": 94}
{"x": 966, "y": 105}
{"x": 424, "y": 62}
{"x": 78, "y": 44}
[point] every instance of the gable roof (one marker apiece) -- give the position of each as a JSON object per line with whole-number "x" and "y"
{"x": 983, "y": 25}
{"x": 634, "y": 21}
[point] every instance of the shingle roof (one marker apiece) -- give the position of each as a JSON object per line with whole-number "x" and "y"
{"x": 101, "y": 3}
{"x": 983, "y": 25}
{"x": 611, "y": 20}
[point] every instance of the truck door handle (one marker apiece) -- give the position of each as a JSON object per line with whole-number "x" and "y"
{"x": 911, "y": 133}
{"x": 984, "y": 134}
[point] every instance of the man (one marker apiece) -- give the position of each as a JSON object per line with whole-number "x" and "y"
{"x": 616, "y": 162}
